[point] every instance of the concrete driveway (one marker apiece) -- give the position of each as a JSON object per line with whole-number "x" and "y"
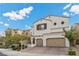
{"x": 48, "y": 51}
{"x": 1, "y": 54}
{"x": 38, "y": 51}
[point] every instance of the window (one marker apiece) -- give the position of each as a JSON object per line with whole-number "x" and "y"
{"x": 15, "y": 32}
{"x": 26, "y": 33}
{"x": 62, "y": 22}
{"x": 55, "y": 23}
{"x": 42, "y": 26}
{"x": 33, "y": 40}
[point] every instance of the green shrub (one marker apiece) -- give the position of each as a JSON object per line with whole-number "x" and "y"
{"x": 13, "y": 47}
{"x": 17, "y": 47}
{"x": 77, "y": 42}
{"x": 25, "y": 46}
{"x": 20, "y": 47}
{"x": 71, "y": 52}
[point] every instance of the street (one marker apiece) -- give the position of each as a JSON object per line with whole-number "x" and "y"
{"x": 1, "y": 54}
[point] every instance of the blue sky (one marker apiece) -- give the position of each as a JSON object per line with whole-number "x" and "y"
{"x": 11, "y": 17}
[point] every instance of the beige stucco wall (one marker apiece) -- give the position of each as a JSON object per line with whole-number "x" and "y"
{"x": 50, "y": 25}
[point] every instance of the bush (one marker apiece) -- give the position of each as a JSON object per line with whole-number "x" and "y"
{"x": 13, "y": 47}
{"x": 71, "y": 52}
{"x": 77, "y": 42}
{"x": 17, "y": 47}
{"x": 23, "y": 46}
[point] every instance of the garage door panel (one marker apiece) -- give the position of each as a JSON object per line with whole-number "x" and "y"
{"x": 39, "y": 42}
{"x": 55, "y": 42}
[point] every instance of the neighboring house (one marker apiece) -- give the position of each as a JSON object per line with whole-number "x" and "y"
{"x": 27, "y": 32}
{"x": 76, "y": 26}
{"x": 17, "y": 31}
{"x": 49, "y": 32}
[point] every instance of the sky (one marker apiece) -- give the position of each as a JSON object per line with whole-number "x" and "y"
{"x": 23, "y": 15}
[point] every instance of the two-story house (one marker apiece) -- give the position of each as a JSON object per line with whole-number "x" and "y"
{"x": 49, "y": 32}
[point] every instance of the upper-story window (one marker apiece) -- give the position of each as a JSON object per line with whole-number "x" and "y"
{"x": 42, "y": 26}
{"x": 15, "y": 31}
{"x": 26, "y": 33}
{"x": 62, "y": 22}
{"x": 55, "y": 23}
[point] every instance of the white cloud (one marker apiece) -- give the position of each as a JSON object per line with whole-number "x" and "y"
{"x": 74, "y": 9}
{"x": 67, "y": 6}
{"x": 28, "y": 27}
{"x": 1, "y": 22}
{"x": 12, "y": 15}
{"x": 66, "y": 14}
{"x": 4, "y": 24}
{"x": 25, "y": 11}
{"x": 20, "y": 14}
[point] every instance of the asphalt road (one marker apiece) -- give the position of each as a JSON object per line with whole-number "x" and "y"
{"x": 1, "y": 54}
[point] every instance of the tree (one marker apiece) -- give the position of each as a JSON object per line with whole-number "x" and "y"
{"x": 16, "y": 38}
{"x": 8, "y": 32}
{"x": 2, "y": 40}
{"x": 72, "y": 36}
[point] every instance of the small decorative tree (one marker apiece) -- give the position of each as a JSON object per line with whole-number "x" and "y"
{"x": 72, "y": 36}
{"x": 16, "y": 38}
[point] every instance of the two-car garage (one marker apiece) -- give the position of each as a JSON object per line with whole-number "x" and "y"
{"x": 55, "y": 42}
{"x": 51, "y": 42}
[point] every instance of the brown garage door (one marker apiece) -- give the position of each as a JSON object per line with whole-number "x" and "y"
{"x": 39, "y": 42}
{"x": 56, "y": 42}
